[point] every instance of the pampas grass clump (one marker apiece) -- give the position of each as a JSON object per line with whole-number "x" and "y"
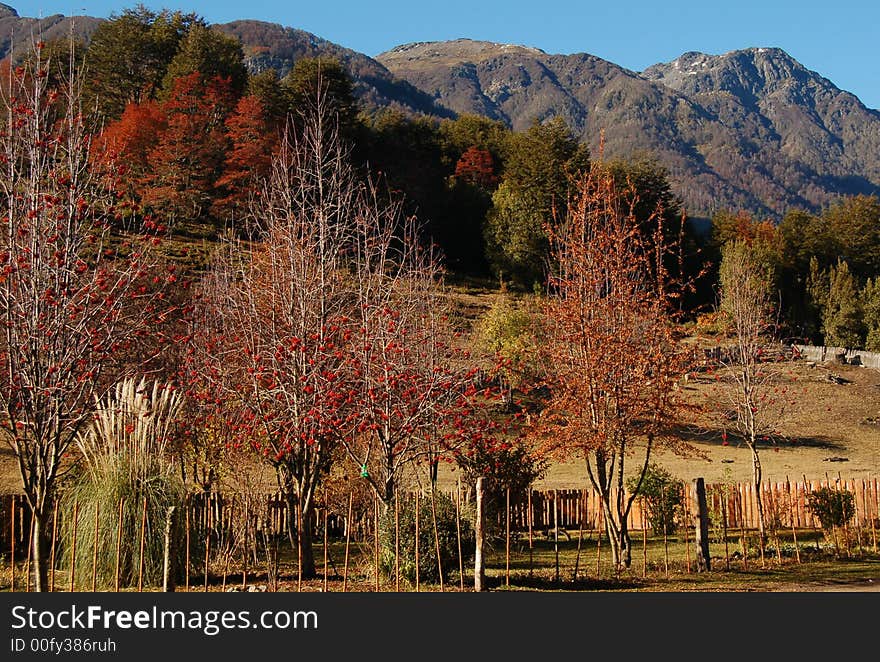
{"x": 125, "y": 453}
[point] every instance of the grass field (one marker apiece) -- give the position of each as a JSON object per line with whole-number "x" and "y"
{"x": 671, "y": 566}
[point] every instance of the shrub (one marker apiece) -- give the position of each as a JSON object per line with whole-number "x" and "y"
{"x": 446, "y": 530}
{"x": 504, "y": 464}
{"x": 832, "y": 507}
{"x": 663, "y": 494}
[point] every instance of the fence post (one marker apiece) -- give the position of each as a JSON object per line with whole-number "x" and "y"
{"x": 73, "y": 546}
{"x": 347, "y": 541}
{"x": 437, "y": 535}
{"x": 12, "y": 541}
{"x": 52, "y": 550}
{"x": 507, "y": 541}
{"x": 556, "y": 532}
{"x": 95, "y": 550}
{"x": 167, "y": 569}
{"x": 479, "y": 570}
{"x": 119, "y": 546}
{"x": 701, "y": 531}
{"x": 457, "y": 535}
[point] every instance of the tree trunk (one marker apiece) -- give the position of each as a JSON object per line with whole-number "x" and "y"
{"x": 618, "y": 536}
{"x": 759, "y": 503}
{"x": 302, "y": 534}
{"x": 308, "y": 553}
{"x": 40, "y": 561}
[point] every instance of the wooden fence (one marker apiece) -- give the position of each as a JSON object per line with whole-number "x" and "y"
{"x": 785, "y": 505}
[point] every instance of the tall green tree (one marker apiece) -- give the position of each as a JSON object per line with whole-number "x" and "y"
{"x": 804, "y": 237}
{"x": 129, "y": 54}
{"x": 324, "y": 75}
{"x": 540, "y": 168}
{"x": 870, "y": 299}
{"x": 854, "y": 223}
{"x": 212, "y": 55}
{"x": 842, "y": 320}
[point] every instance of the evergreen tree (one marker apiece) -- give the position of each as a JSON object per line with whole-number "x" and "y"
{"x": 211, "y": 54}
{"x": 870, "y": 299}
{"x": 129, "y": 54}
{"x": 540, "y": 166}
{"x": 854, "y": 223}
{"x": 842, "y": 321}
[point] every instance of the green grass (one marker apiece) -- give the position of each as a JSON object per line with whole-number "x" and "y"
{"x": 536, "y": 570}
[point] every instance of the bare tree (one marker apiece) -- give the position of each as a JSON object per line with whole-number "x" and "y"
{"x": 414, "y": 382}
{"x": 76, "y": 301}
{"x": 276, "y": 317}
{"x": 750, "y": 395}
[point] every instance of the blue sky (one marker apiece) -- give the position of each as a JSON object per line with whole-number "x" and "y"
{"x": 838, "y": 39}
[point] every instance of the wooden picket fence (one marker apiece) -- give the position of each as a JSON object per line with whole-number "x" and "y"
{"x": 733, "y": 505}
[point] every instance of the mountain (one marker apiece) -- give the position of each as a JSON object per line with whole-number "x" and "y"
{"x": 16, "y": 32}
{"x": 752, "y": 129}
{"x": 790, "y": 118}
{"x": 270, "y": 45}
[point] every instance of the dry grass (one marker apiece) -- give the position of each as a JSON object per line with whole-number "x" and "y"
{"x": 828, "y": 420}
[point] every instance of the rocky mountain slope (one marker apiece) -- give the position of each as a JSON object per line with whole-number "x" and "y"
{"x": 750, "y": 129}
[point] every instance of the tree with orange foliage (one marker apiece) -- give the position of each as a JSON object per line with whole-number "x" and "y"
{"x": 188, "y": 156}
{"x": 477, "y": 168}
{"x": 252, "y": 143}
{"x": 612, "y": 361}
{"x": 122, "y": 148}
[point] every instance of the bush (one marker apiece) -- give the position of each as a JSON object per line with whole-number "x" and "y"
{"x": 832, "y": 507}
{"x": 663, "y": 494}
{"x": 505, "y": 465}
{"x": 446, "y": 530}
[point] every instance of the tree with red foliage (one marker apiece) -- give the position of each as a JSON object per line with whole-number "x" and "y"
{"x": 121, "y": 150}
{"x": 271, "y": 349}
{"x": 612, "y": 361}
{"x": 416, "y": 384}
{"x": 76, "y": 303}
{"x": 477, "y": 168}
{"x": 188, "y": 156}
{"x": 252, "y": 143}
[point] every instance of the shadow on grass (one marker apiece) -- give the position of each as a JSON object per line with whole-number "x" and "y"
{"x": 544, "y": 583}
{"x": 716, "y": 437}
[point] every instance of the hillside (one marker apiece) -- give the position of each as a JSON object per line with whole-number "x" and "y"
{"x": 273, "y": 46}
{"x": 752, "y": 129}
{"x": 17, "y": 32}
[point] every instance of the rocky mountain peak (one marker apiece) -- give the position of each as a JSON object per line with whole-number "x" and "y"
{"x": 456, "y": 50}
{"x": 747, "y": 73}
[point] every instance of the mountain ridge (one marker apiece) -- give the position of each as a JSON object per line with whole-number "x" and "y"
{"x": 760, "y": 131}
{"x": 748, "y": 129}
